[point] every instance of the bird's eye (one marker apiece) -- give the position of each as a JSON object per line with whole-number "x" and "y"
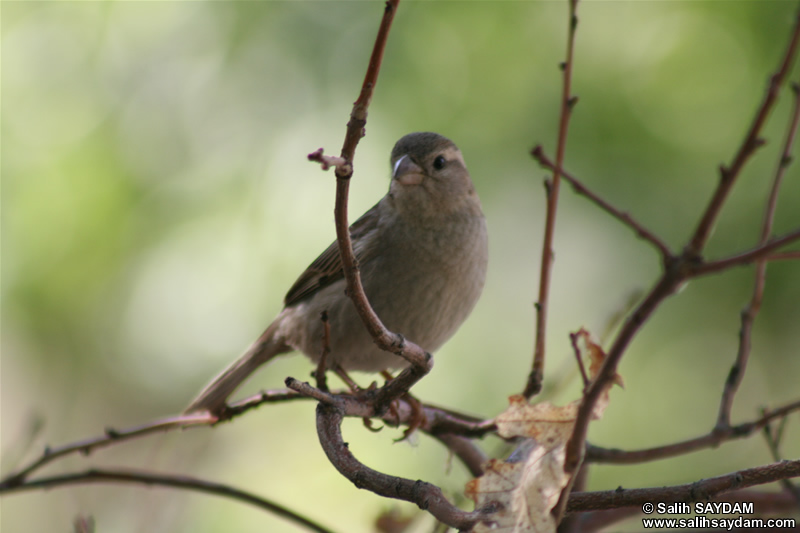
{"x": 439, "y": 162}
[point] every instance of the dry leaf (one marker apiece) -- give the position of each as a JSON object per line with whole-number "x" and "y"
{"x": 528, "y": 490}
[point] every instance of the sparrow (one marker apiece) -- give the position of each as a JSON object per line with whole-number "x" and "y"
{"x": 422, "y": 251}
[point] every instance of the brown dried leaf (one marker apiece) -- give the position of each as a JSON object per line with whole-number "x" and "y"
{"x": 528, "y": 490}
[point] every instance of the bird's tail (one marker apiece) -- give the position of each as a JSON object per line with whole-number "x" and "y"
{"x": 213, "y": 397}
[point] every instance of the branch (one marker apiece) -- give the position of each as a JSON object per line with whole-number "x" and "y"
{"x": 784, "y": 256}
{"x": 117, "y": 436}
{"x": 420, "y": 360}
{"x": 689, "y": 492}
{"x": 774, "y": 442}
{"x": 754, "y": 254}
{"x": 766, "y": 503}
{"x": 750, "y": 312}
{"x": 438, "y": 421}
{"x": 427, "y": 496}
{"x": 183, "y": 482}
{"x": 712, "y": 439}
{"x": 473, "y": 457}
{"x": 751, "y": 142}
{"x": 625, "y": 218}
{"x": 534, "y": 384}
{"x": 678, "y": 269}
{"x": 111, "y": 436}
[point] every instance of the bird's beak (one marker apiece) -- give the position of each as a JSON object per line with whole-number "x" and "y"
{"x": 407, "y": 172}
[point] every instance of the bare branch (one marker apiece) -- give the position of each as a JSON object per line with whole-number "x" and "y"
{"x": 766, "y": 503}
{"x": 689, "y": 492}
{"x": 427, "y": 496}
{"x": 322, "y": 367}
{"x": 746, "y": 257}
{"x": 784, "y": 256}
{"x": 677, "y": 270}
{"x": 751, "y": 142}
{"x": 774, "y": 443}
{"x": 625, "y": 218}
{"x": 111, "y": 436}
{"x": 177, "y": 481}
{"x": 534, "y": 384}
{"x": 466, "y": 450}
{"x": 750, "y": 312}
{"x": 712, "y": 439}
{"x": 391, "y": 342}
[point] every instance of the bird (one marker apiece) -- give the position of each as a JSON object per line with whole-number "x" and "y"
{"x": 422, "y": 252}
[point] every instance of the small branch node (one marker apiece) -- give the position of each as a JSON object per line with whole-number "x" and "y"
{"x": 328, "y": 161}
{"x": 571, "y": 102}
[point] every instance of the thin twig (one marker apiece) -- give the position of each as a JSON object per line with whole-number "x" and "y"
{"x": 774, "y": 444}
{"x": 322, "y": 367}
{"x": 788, "y": 255}
{"x": 111, "y": 436}
{"x": 367, "y": 404}
{"x": 746, "y": 257}
{"x": 573, "y": 339}
{"x": 625, "y": 218}
{"x": 765, "y": 503}
{"x": 385, "y": 339}
{"x": 751, "y": 142}
{"x": 535, "y": 378}
{"x": 320, "y": 395}
{"x": 689, "y": 492}
{"x": 177, "y": 481}
{"x": 712, "y": 439}
{"x": 118, "y": 436}
{"x": 467, "y": 451}
{"x": 750, "y": 312}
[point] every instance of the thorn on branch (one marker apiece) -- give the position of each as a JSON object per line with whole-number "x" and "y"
{"x": 724, "y": 173}
{"x": 573, "y": 100}
{"x": 562, "y": 66}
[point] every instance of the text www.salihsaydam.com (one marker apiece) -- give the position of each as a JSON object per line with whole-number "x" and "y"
{"x": 717, "y": 523}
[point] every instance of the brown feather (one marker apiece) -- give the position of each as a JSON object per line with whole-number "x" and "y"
{"x": 327, "y": 268}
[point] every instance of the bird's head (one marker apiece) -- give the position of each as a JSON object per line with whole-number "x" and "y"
{"x": 429, "y": 175}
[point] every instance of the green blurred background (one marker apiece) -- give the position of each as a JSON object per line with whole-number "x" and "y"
{"x": 157, "y": 203}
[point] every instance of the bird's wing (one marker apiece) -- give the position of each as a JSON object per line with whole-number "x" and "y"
{"x": 327, "y": 268}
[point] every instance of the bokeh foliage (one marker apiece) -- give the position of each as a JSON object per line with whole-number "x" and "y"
{"x": 156, "y": 203}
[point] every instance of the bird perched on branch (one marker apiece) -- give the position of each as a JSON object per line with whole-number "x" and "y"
{"x": 422, "y": 251}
